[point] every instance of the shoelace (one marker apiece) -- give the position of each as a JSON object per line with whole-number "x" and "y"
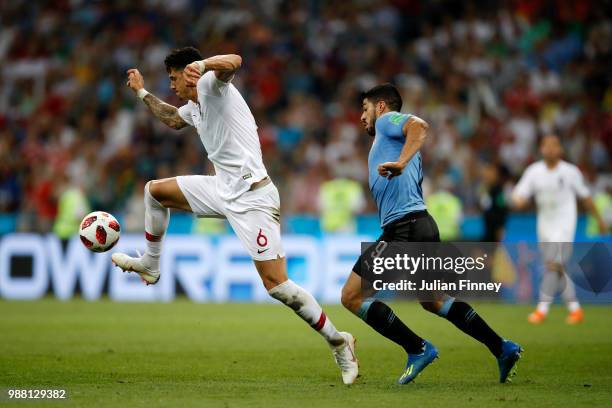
{"x": 342, "y": 362}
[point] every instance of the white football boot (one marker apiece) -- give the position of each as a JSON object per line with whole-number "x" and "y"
{"x": 129, "y": 264}
{"x": 346, "y": 359}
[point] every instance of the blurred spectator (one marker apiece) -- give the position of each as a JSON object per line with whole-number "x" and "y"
{"x": 493, "y": 202}
{"x": 208, "y": 226}
{"x": 603, "y": 203}
{"x": 445, "y": 208}
{"x": 133, "y": 220}
{"x": 489, "y": 78}
{"x": 601, "y": 189}
{"x": 339, "y": 200}
{"x": 72, "y": 207}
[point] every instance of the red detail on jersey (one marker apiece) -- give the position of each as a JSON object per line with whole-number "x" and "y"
{"x": 152, "y": 238}
{"x": 88, "y": 221}
{"x": 114, "y": 225}
{"x": 319, "y": 325}
{"x": 100, "y": 235}
{"x": 86, "y": 242}
{"x": 261, "y": 236}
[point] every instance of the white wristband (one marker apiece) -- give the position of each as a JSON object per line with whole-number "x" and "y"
{"x": 201, "y": 66}
{"x": 141, "y": 93}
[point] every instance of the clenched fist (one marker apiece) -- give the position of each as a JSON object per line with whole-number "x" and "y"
{"x": 135, "y": 79}
{"x": 390, "y": 169}
{"x": 192, "y": 73}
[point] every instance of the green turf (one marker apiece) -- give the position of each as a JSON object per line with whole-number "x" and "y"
{"x": 184, "y": 354}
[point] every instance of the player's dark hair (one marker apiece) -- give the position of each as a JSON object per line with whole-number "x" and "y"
{"x": 179, "y": 58}
{"x": 384, "y": 92}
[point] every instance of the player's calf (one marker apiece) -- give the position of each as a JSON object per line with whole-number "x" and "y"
{"x": 351, "y": 300}
{"x": 305, "y": 306}
{"x": 274, "y": 276}
{"x": 378, "y": 315}
{"x": 159, "y": 196}
{"x": 465, "y": 318}
{"x": 382, "y": 319}
{"x": 156, "y": 223}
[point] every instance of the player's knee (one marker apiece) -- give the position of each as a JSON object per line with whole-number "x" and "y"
{"x": 270, "y": 282}
{"x": 271, "y": 272}
{"x": 159, "y": 191}
{"x": 153, "y": 187}
{"x": 431, "y": 306}
{"x": 350, "y": 299}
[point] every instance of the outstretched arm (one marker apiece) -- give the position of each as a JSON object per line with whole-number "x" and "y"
{"x": 415, "y": 131}
{"x": 224, "y": 66}
{"x": 163, "y": 111}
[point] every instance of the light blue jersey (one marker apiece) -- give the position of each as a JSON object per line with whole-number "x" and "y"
{"x": 402, "y": 194}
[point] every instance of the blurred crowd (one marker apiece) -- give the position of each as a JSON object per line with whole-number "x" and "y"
{"x": 490, "y": 77}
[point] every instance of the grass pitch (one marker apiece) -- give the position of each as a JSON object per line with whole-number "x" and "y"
{"x": 242, "y": 355}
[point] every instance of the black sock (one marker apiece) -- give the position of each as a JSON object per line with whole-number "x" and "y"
{"x": 382, "y": 319}
{"x": 467, "y": 320}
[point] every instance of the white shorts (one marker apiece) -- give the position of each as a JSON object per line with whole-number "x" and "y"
{"x": 556, "y": 241}
{"x": 254, "y": 216}
{"x": 556, "y": 252}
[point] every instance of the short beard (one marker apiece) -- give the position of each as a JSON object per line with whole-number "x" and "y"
{"x": 372, "y": 130}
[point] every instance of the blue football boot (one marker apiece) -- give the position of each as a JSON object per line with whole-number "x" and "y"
{"x": 511, "y": 352}
{"x": 417, "y": 362}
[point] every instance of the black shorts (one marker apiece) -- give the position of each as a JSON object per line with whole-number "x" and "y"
{"x": 417, "y": 226}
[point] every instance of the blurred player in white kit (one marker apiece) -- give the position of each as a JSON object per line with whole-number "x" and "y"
{"x": 555, "y": 184}
{"x": 241, "y": 190}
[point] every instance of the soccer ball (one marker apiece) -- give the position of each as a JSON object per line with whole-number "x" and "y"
{"x": 99, "y": 231}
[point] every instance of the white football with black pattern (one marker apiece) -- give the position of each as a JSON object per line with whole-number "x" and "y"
{"x": 99, "y": 231}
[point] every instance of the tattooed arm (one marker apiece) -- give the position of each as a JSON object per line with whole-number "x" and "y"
{"x": 163, "y": 111}
{"x": 167, "y": 113}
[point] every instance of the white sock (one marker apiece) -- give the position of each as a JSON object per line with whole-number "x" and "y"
{"x": 568, "y": 293}
{"x": 543, "y": 307}
{"x": 548, "y": 289}
{"x": 156, "y": 223}
{"x": 305, "y": 306}
{"x": 573, "y": 306}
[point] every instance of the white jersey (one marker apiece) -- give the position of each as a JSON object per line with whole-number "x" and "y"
{"x": 555, "y": 192}
{"x": 228, "y": 131}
